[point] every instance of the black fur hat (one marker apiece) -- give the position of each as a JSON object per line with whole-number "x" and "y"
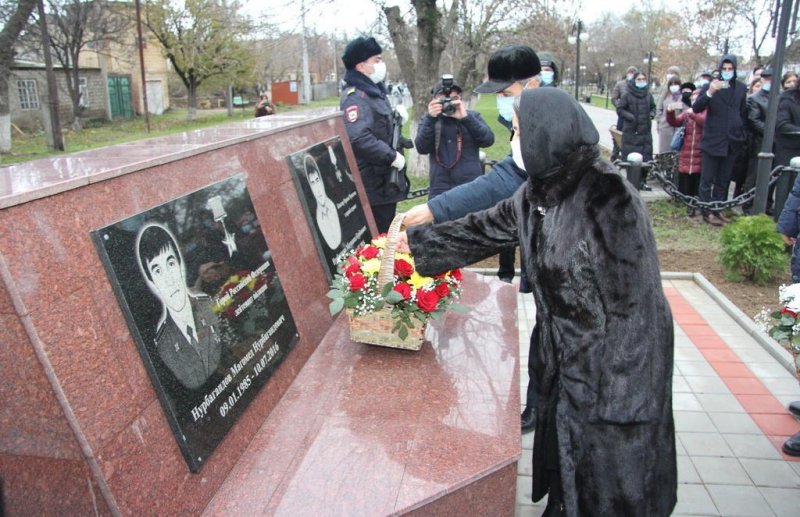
{"x": 360, "y": 49}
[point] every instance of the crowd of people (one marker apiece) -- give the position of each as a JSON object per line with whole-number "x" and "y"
{"x": 720, "y": 123}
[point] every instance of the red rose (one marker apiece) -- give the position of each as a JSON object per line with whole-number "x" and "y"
{"x": 456, "y": 274}
{"x": 442, "y": 290}
{"x": 404, "y": 289}
{"x": 785, "y": 310}
{"x": 352, "y": 269}
{"x": 403, "y": 269}
{"x": 357, "y": 282}
{"x": 440, "y": 276}
{"x": 427, "y": 300}
{"x": 368, "y": 252}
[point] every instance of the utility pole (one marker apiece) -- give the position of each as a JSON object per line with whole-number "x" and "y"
{"x": 55, "y": 138}
{"x": 306, "y": 74}
{"x": 141, "y": 66}
{"x": 766, "y": 156}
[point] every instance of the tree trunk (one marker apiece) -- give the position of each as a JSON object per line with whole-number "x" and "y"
{"x": 191, "y": 92}
{"x": 75, "y": 94}
{"x": 8, "y": 36}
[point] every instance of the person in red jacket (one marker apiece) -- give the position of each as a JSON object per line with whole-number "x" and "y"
{"x": 690, "y": 159}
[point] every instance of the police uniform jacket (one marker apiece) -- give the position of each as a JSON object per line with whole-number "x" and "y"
{"x": 368, "y": 120}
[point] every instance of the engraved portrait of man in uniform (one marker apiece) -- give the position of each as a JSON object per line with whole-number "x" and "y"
{"x": 187, "y": 338}
{"x": 327, "y": 216}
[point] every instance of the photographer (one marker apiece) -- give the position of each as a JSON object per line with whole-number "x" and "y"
{"x": 451, "y": 135}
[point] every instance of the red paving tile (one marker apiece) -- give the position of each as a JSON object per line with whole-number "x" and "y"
{"x": 768, "y": 413}
{"x": 761, "y": 404}
{"x": 777, "y": 425}
{"x": 745, "y": 386}
{"x": 721, "y": 355}
{"x": 731, "y": 369}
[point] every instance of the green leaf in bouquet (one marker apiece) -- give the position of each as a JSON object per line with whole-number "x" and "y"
{"x": 457, "y": 307}
{"x": 787, "y": 320}
{"x": 335, "y": 293}
{"x": 386, "y": 289}
{"x": 435, "y": 315}
{"x": 393, "y": 297}
{"x": 336, "y": 305}
{"x": 350, "y": 302}
{"x": 796, "y": 339}
{"x": 776, "y": 315}
{"x": 403, "y": 332}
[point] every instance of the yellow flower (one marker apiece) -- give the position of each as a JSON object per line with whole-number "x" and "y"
{"x": 405, "y": 256}
{"x": 380, "y": 242}
{"x": 371, "y": 266}
{"x": 418, "y": 281}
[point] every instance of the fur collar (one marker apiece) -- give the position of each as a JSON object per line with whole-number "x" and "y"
{"x": 552, "y": 190}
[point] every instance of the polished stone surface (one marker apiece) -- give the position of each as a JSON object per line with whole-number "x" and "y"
{"x": 40, "y": 178}
{"x": 60, "y": 314}
{"x": 81, "y": 405}
{"x": 386, "y": 431}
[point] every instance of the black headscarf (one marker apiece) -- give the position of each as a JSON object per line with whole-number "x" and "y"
{"x": 552, "y": 126}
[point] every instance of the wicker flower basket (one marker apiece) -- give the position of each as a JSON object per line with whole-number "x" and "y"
{"x": 375, "y": 328}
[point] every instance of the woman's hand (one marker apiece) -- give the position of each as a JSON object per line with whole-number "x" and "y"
{"x": 402, "y": 243}
{"x": 420, "y": 214}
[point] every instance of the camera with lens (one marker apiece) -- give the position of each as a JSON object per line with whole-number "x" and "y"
{"x": 447, "y": 89}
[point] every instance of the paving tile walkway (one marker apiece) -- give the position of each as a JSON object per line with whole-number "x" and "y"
{"x": 730, "y": 391}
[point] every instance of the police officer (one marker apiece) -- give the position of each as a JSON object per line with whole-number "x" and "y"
{"x": 369, "y": 123}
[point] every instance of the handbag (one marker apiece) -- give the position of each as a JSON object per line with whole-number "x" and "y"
{"x": 677, "y": 139}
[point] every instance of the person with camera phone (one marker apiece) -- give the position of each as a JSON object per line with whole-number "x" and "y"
{"x": 451, "y": 135}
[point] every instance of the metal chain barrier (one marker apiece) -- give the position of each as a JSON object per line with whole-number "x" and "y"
{"x": 671, "y": 189}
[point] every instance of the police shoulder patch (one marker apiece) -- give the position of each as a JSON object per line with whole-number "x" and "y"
{"x": 351, "y": 113}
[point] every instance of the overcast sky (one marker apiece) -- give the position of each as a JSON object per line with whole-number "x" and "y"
{"x": 351, "y": 17}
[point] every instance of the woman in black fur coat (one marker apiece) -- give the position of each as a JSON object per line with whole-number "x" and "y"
{"x": 605, "y": 438}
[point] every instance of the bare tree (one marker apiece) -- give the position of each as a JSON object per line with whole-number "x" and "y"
{"x": 76, "y": 25}
{"x": 421, "y": 64}
{"x": 203, "y": 40}
{"x": 15, "y": 17}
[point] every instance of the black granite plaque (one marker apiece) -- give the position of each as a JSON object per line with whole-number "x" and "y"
{"x": 198, "y": 287}
{"x": 330, "y": 201}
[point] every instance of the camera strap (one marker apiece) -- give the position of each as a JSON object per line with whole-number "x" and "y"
{"x": 437, "y": 136}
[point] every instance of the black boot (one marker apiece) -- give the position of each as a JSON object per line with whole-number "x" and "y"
{"x": 792, "y": 445}
{"x": 794, "y": 408}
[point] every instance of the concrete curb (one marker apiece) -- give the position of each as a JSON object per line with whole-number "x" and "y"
{"x": 767, "y": 343}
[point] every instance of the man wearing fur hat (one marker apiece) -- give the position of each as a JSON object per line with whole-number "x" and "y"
{"x": 369, "y": 123}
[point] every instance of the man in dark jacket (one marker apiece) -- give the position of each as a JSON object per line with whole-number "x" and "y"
{"x": 723, "y": 134}
{"x": 605, "y": 436}
{"x": 369, "y": 123}
{"x": 756, "y": 119}
{"x": 511, "y": 70}
{"x": 451, "y": 135}
{"x": 616, "y": 95}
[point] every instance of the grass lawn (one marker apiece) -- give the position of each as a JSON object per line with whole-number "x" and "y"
{"x": 100, "y": 133}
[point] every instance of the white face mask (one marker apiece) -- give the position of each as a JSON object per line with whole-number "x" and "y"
{"x": 674, "y": 88}
{"x": 505, "y": 107}
{"x": 378, "y": 72}
{"x": 516, "y": 153}
{"x": 630, "y": 77}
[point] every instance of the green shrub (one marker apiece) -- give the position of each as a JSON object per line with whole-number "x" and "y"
{"x": 751, "y": 249}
